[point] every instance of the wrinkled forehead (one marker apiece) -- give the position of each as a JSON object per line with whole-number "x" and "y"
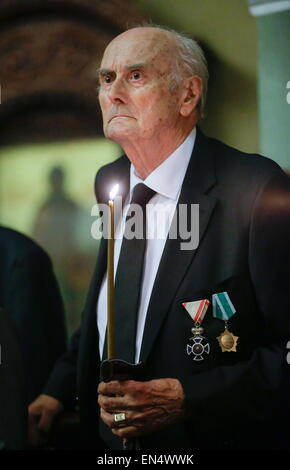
{"x": 140, "y": 45}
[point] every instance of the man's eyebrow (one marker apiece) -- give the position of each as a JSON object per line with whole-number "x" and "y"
{"x": 101, "y": 71}
{"x": 140, "y": 65}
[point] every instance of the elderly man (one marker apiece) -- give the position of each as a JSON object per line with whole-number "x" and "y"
{"x": 214, "y": 389}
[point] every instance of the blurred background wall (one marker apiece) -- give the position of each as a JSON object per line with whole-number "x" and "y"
{"x": 273, "y": 31}
{"x": 227, "y": 32}
{"x": 51, "y": 142}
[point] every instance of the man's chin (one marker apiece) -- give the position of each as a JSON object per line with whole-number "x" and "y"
{"x": 118, "y": 133}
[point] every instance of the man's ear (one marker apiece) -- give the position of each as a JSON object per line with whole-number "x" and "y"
{"x": 191, "y": 96}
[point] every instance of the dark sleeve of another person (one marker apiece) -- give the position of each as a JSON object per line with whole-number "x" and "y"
{"x": 36, "y": 307}
{"x": 62, "y": 380}
{"x": 13, "y": 411}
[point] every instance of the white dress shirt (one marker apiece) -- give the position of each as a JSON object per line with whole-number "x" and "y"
{"x": 166, "y": 180}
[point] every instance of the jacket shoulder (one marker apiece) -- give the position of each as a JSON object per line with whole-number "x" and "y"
{"x": 17, "y": 245}
{"x": 234, "y": 160}
{"x": 240, "y": 179}
{"x": 108, "y": 173}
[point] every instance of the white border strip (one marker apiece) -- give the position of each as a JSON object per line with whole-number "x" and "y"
{"x": 268, "y": 8}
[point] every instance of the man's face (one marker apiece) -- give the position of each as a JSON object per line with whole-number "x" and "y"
{"x": 135, "y": 96}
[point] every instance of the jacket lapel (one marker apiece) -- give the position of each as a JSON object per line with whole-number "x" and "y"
{"x": 199, "y": 179}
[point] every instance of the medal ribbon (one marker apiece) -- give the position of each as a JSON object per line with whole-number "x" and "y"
{"x": 197, "y": 309}
{"x": 223, "y": 308}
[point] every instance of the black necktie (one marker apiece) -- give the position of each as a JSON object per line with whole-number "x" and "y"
{"x": 128, "y": 281}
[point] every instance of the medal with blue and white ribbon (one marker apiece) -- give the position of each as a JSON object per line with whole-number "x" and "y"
{"x": 198, "y": 344}
{"x": 223, "y": 309}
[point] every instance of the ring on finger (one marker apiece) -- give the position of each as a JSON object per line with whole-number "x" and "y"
{"x": 119, "y": 420}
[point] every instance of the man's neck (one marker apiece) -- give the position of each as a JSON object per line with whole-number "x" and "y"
{"x": 146, "y": 156}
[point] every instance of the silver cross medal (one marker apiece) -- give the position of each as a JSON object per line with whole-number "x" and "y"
{"x": 198, "y": 344}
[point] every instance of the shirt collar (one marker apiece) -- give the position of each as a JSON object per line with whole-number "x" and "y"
{"x": 167, "y": 178}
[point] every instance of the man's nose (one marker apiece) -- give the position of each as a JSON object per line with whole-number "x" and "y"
{"x": 117, "y": 91}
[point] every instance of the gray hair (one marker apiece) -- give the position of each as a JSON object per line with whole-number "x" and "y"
{"x": 190, "y": 60}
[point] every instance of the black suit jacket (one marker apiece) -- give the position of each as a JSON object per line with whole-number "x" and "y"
{"x": 30, "y": 294}
{"x": 233, "y": 399}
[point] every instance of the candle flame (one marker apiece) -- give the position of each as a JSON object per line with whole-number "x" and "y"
{"x": 113, "y": 192}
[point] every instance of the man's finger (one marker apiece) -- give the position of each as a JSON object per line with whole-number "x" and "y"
{"x": 109, "y": 420}
{"x": 128, "y": 431}
{"x": 33, "y": 418}
{"x": 111, "y": 388}
{"x": 45, "y": 421}
{"x": 125, "y": 431}
{"x": 35, "y": 437}
{"x": 114, "y": 403}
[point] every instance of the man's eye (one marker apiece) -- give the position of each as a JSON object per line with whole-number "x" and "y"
{"x": 136, "y": 75}
{"x": 105, "y": 79}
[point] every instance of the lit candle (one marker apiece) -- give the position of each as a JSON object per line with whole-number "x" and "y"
{"x": 110, "y": 277}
